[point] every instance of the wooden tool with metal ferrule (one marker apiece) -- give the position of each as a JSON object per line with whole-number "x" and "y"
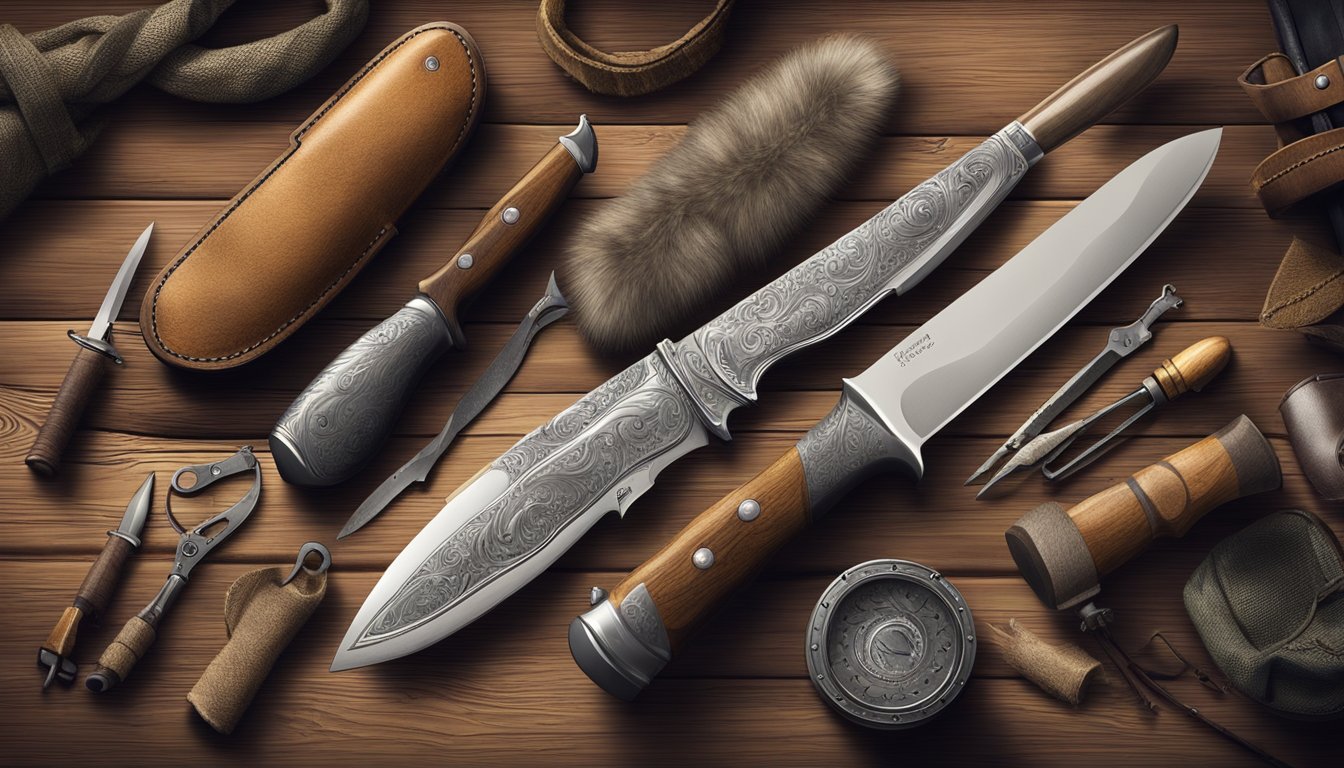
{"x": 86, "y": 370}
{"x": 336, "y": 425}
{"x": 96, "y": 592}
{"x": 885, "y": 416}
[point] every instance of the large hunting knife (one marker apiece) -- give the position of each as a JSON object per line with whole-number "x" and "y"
{"x": 337, "y": 424}
{"x": 511, "y": 521}
{"x": 886, "y": 414}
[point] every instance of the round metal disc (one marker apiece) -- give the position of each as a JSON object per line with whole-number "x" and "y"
{"x": 891, "y": 643}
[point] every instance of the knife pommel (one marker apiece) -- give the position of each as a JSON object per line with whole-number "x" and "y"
{"x": 1105, "y": 85}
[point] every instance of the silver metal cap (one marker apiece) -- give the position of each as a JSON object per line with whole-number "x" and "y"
{"x": 582, "y": 145}
{"x": 621, "y": 659}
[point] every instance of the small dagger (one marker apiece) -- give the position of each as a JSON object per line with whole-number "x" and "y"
{"x": 96, "y": 591}
{"x": 86, "y": 370}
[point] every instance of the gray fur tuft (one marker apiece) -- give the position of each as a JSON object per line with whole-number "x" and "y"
{"x": 747, "y": 175}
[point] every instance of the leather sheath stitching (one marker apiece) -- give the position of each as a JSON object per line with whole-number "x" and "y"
{"x": 298, "y": 138}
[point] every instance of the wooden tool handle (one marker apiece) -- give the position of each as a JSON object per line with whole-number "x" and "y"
{"x": 532, "y": 200}
{"x": 1166, "y": 498}
{"x": 1104, "y": 86}
{"x": 686, "y": 586}
{"x": 86, "y": 371}
{"x": 1193, "y": 367}
{"x": 101, "y": 581}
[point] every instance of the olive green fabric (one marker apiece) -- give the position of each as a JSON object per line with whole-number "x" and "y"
{"x": 51, "y": 82}
{"x": 1268, "y": 602}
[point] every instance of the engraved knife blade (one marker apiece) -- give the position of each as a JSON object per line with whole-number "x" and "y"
{"x": 551, "y": 307}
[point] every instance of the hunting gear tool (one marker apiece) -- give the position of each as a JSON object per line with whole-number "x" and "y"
{"x": 138, "y": 635}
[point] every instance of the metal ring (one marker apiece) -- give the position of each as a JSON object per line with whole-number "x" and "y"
{"x": 304, "y": 552}
{"x": 96, "y": 345}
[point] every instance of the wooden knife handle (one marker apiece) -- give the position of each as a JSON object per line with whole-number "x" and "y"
{"x": 687, "y": 584}
{"x": 1166, "y": 498}
{"x": 85, "y": 372}
{"x": 1193, "y": 367}
{"x": 534, "y": 198}
{"x": 1092, "y": 95}
{"x": 95, "y": 594}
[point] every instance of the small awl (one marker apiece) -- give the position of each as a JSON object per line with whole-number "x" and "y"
{"x": 1121, "y": 342}
{"x": 96, "y": 591}
{"x": 1191, "y": 369}
{"x": 135, "y": 639}
{"x": 86, "y": 370}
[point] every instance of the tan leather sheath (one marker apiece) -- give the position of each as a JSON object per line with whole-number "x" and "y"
{"x": 298, "y": 233}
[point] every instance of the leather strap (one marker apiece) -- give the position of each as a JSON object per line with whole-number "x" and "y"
{"x": 630, "y": 73}
{"x": 1281, "y": 96}
{"x": 1299, "y": 170}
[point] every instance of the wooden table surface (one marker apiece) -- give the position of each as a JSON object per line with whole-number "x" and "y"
{"x": 504, "y": 690}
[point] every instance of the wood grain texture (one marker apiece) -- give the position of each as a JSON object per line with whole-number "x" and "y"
{"x": 504, "y": 691}
{"x": 1194, "y": 367}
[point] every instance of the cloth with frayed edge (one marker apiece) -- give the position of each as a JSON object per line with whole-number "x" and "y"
{"x": 52, "y": 81}
{"x": 1063, "y": 671}
{"x": 262, "y": 616}
{"x": 748, "y": 174}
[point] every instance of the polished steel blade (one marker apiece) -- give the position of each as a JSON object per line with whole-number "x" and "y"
{"x": 550, "y": 308}
{"x": 941, "y": 368}
{"x": 116, "y": 293}
{"x": 137, "y": 511}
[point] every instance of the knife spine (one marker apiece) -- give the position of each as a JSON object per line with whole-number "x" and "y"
{"x": 721, "y": 364}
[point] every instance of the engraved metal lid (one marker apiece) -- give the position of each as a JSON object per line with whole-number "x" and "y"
{"x": 891, "y": 644}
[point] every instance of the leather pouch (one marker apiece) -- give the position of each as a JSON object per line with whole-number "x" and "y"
{"x": 1313, "y": 412}
{"x": 300, "y": 232}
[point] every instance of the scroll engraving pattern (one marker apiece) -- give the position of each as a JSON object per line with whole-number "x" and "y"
{"x": 641, "y": 616}
{"x": 826, "y": 292}
{"x": 555, "y": 473}
{"x": 354, "y": 401}
{"x": 841, "y": 450}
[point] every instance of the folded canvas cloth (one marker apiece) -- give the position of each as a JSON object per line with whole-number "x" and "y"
{"x": 51, "y": 82}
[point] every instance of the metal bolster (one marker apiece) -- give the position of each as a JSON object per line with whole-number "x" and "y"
{"x": 582, "y": 145}
{"x": 714, "y": 415}
{"x": 615, "y": 655}
{"x": 1022, "y": 140}
{"x": 423, "y": 303}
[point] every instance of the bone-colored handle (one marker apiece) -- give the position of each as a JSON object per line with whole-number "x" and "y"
{"x": 1193, "y": 367}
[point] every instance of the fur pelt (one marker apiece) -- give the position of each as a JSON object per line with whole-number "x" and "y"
{"x": 747, "y": 175}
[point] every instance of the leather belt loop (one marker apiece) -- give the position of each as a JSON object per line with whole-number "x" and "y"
{"x": 1299, "y": 170}
{"x": 1282, "y": 96}
{"x": 33, "y": 87}
{"x": 630, "y": 73}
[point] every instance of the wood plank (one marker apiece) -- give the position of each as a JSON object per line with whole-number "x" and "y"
{"x": 53, "y": 241}
{"x": 958, "y": 74}
{"x": 512, "y": 667}
{"x": 159, "y": 161}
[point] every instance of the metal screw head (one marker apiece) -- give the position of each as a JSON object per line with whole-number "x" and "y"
{"x": 189, "y": 549}
{"x": 1322, "y": 82}
{"x": 748, "y": 510}
{"x": 703, "y": 558}
{"x": 432, "y": 64}
{"x": 510, "y": 215}
{"x": 465, "y": 261}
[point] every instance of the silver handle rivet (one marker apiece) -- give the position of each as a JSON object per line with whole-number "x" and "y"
{"x": 465, "y": 261}
{"x": 703, "y": 558}
{"x": 510, "y": 215}
{"x": 748, "y": 510}
{"x": 432, "y": 64}
{"x": 1322, "y": 82}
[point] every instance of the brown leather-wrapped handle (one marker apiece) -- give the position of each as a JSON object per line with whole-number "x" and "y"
{"x": 1193, "y": 367}
{"x": 514, "y": 219}
{"x": 117, "y": 661}
{"x": 86, "y": 371}
{"x": 739, "y": 533}
{"x": 1166, "y": 498}
{"x": 1092, "y": 95}
{"x": 95, "y": 593}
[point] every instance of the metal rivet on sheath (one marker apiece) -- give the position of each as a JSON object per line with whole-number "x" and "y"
{"x": 465, "y": 261}
{"x": 1322, "y": 82}
{"x": 432, "y": 64}
{"x": 510, "y": 215}
{"x": 748, "y": 510}
{"x": 703, "y": 558}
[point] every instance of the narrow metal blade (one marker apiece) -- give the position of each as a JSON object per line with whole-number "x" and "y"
{"x": 941, "y": 368}
{"x": 550, "y": 308}
{"x": 116, "y": 293}
{"x": 137, "y": 511}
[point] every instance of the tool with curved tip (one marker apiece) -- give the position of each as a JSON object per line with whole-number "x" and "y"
{"x": 139, "y": 634}
{"x": 337, "y": 424}
{"x": 519, "y": 514}
{"x": 1191, "y": 369}
{"x": 551, "y": 307}
{"x": 1120, "y": 343}
{"x": 86, "y": 370}
{"x": 96, "y": 592}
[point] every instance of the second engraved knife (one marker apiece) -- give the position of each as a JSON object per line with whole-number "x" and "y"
{"x": 339, "y": 421}
{"x": 520, "y": 513}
